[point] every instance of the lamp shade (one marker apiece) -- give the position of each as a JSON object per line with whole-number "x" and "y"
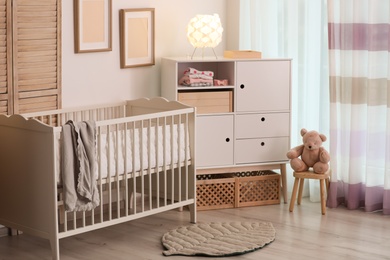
{"x": 205, "y": 31}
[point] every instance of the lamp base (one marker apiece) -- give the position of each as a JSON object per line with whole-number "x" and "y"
{"x": 192, "y": 56}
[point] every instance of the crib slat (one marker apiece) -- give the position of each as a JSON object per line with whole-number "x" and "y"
{"x": 134, "y": 171}
{"x": 126, "y": 172}
{"x": 117, "y": 170}
{"x": 109, "y": 171}
{"x": 172, "y": 162}
{"x": 74, "y": 220}
{"x": 157, "y": 134}
{"x": 149, "y": 132}
{"x": 165, "y": 161}
{"x": 92, "y": 216}
{"x": 141, "y": 138}
{"x": 100, "y": 185}
{"x": 83, "y": 219}
{"x": 186, "y": 152}
{"x": 65, "y": 221}
{"x": 178, "y": 150}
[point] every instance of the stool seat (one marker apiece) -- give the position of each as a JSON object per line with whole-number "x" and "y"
{"x": 299, "y": 182}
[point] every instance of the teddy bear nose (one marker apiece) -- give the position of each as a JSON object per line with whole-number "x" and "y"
{"x": 309, "y": 146}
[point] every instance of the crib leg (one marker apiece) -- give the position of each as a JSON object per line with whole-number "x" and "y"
{"x": 192, "y": 208}
{"x": 55, "y": 248}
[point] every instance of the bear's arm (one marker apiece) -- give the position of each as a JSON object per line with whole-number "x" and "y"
{"x": 295, "y": 152}
{"x": 324, "y": 155}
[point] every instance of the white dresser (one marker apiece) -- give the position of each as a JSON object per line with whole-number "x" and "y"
{"x": 241, "y": 126}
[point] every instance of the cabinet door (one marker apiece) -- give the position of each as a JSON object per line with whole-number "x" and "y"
{"x": 214, "y": 146}
{"x": 263, "y": 85}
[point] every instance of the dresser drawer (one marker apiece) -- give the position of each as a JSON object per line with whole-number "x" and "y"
{"x": 262, "y": 125}
{"x": 261, "y": 150}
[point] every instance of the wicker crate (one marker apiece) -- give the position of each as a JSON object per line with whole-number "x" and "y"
{"x": 232, "y": 190}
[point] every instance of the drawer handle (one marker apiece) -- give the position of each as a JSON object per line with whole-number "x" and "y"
{"x": 262, "y": 143}
{"x": 227, "y": 139}
{"x": 242, "y": 86}
{"x": 262, "y": 119}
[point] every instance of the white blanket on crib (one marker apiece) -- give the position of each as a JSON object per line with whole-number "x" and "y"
{"x": 78, "y": 166}
{"x": 115, "y": 152}
{"x": 142, "y": 148}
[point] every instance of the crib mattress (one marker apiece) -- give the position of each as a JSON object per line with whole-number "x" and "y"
{"x": 133, "y": 150}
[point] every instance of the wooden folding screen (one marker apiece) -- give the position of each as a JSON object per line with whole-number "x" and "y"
{"x": 30, "y": 55}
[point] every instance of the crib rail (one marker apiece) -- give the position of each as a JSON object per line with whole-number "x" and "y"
{"x": 133, "y": 180}
{"x": 145, "y": 165}
{"x": 97, "y": 113}
{"x": 127, "y": 190}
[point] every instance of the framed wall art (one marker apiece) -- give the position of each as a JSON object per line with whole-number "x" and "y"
{"x": 136, "y": 37}
{"x": 92, "y": 25}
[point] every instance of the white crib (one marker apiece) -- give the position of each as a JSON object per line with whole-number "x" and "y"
{"x": 145, "y": 165}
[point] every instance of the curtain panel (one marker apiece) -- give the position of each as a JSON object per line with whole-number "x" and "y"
{"x": 359, "y": 67}
{"x": 294, "y": 29}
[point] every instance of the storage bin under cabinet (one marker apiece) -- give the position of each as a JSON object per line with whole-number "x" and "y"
{"x": 244, "y": 125}
{"x": 234, "y": 190}
{"x": 208, "y": 102}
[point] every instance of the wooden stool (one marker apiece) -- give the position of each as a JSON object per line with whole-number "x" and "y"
{"x": 300, "y": 178}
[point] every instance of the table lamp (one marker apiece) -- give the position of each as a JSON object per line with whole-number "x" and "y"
{"x": 204, "y": 31}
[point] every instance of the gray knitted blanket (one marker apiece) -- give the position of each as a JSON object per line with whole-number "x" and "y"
{"x": 78, "y": 166}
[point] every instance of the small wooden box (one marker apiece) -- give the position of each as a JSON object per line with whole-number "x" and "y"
{"x": 242, "y": 54}
{"x": 208, "y": 101}
{"x": 233, "y": 190}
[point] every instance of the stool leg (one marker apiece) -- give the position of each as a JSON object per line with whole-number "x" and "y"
{"x": 284, "y": 181}
{"x": 323, "y": 196}
{"x": 327, "y": 185}
{"x": 301, "y": 183}
{"x": 294, "y": 194}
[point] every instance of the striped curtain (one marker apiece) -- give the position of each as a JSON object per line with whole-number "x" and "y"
{"x": 359, "y": 67}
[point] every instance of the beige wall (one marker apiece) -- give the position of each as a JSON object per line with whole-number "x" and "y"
{"x": 232, "y": 24}
{"x": 90, "y": 78}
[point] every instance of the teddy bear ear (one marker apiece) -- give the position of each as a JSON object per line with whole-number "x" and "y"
{"x": 323, "y": 137}
{"x": 303, "y": 131}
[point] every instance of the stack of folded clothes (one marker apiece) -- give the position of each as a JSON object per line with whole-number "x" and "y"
{"x": 195, "y": 78}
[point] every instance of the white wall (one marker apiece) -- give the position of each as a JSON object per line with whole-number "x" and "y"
{"x": 92, "y": 78}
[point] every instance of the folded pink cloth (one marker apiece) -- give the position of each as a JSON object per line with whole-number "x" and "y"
{"x": 220, "y": 82}
{"x": 195, "y": 82}
{"x": 198, "y": 73}
{"x": 196, "y": 78}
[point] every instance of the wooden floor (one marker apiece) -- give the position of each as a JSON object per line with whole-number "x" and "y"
{"x": 303, "y": 234}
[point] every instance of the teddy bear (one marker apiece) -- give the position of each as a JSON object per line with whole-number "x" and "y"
{"x": 311, "y": 153}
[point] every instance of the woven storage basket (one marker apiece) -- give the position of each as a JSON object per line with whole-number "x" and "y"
{"x": 230, "y": 190}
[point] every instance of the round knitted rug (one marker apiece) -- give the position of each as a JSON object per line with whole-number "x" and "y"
{"x": 218, "y": 239}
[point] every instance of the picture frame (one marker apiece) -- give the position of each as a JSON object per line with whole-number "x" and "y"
{"x": 92, "y": 25}
{"x": 137, "y": 37}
